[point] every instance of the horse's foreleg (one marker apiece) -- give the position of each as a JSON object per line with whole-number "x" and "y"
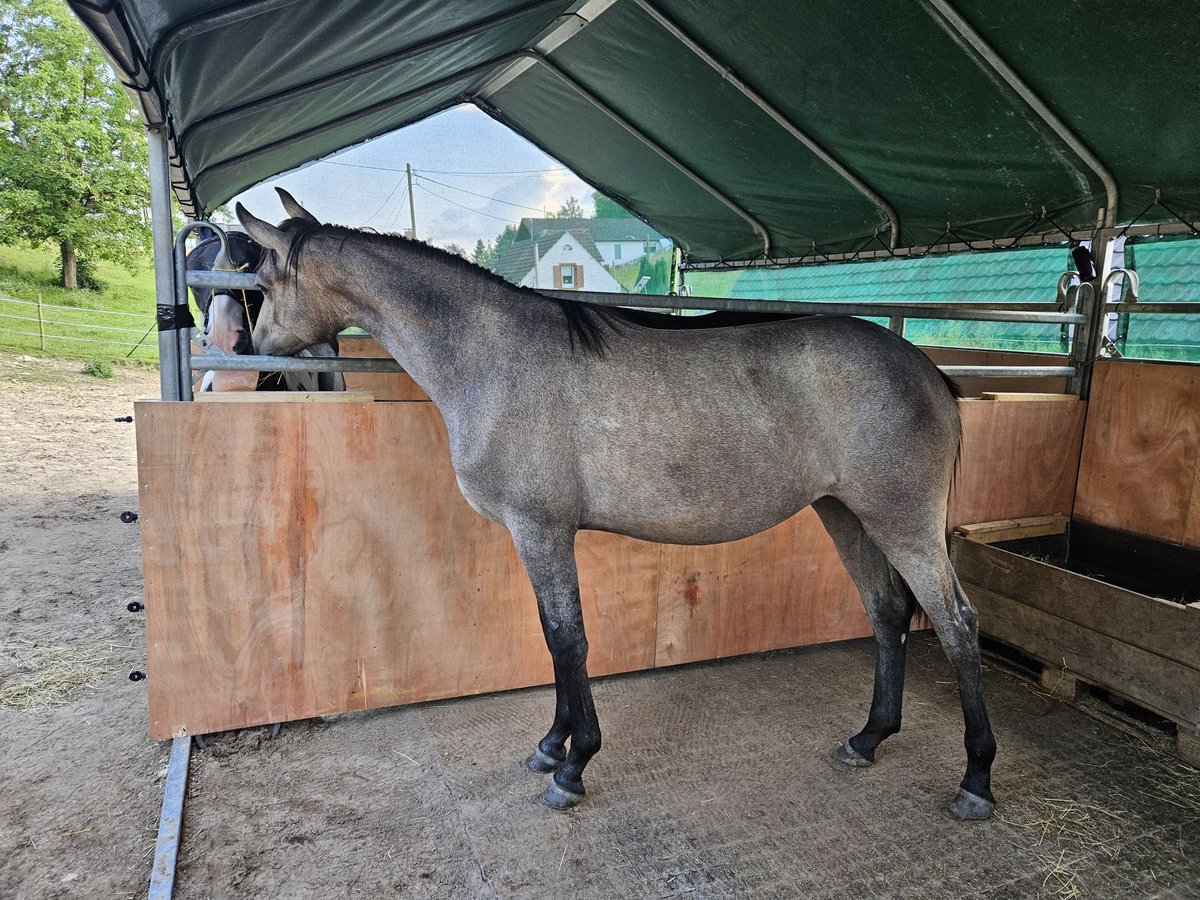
{"x": 889, "y": 605}
{"x": 549, "y": 558}
{"x": 551, "y": 751}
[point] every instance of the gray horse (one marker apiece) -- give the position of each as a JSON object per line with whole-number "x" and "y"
{"x": 564, "y": 416}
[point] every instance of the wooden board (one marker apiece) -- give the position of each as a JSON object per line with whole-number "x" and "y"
{"x": 1140, "y": 470}
{"x": 1160, "y": 684}
{"x": 1018, "y": 460}
{"x": 285, "y": 397}
{"x": 1013, "y": 529}
{"x": 1007, "y": 396}
{"x": 348, "y": 575}
{"x": 782, "y": 588}
{"x": 305, "y": 559}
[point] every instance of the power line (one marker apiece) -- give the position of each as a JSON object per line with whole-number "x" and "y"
{"x": 330, "y": 162}
{"x": 460, "y": 206}
{"x": 385, "y": 202}
{"x": 483, "y": 196}
{"x": 490, "y": 174}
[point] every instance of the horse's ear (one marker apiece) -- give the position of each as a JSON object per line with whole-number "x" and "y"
{"x": 263, "y": 233}
{"x": 294, "y": 209}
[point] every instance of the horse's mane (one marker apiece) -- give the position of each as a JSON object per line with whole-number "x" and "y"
{"x": 586, "y": 323}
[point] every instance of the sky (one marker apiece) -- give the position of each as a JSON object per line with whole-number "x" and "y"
{"x": 472, "y": 176}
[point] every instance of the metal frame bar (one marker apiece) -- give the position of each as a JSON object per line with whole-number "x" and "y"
{"x": 962, "y": 31}
{"x": 1183, "y": 308}
{"x": 164, "y": 267}
{"x": 179, "y": 260}
{"x": 229, "y": 363}
{"x": 387, "y": 365}
{"x": 1043, "y": 314}
{"x": 776, "y": 116}
{"x": 568, "y": 25}
{"x": 350, "y": 73}
{"x": 170, "y": 822}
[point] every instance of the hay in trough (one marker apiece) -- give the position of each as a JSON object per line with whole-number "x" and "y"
{"x": 36, "y": 678}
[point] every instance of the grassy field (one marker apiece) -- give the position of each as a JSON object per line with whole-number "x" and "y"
{"x": 110, "y": 324}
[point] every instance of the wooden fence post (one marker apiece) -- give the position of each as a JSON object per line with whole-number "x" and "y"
{"x": 41, "y": 325}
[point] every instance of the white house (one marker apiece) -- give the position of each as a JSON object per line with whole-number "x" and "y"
{"x": 576, "y": 254}
{"x": 555, "y": 257}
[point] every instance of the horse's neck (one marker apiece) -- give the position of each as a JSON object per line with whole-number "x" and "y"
{"x": 447, "y": 325}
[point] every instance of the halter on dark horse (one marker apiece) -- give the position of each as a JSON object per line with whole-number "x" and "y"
{"x": 564, "y": 417}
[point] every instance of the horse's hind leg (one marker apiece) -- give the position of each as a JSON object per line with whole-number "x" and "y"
{"x": 549, "y": 558}
{"x": 890, "y": 607}
{"x": 926, "y": 569}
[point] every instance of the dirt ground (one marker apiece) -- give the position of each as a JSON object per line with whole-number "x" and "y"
{"x": 714, "y": 781}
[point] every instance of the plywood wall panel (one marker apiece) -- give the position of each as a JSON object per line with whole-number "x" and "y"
{"x": 783, "y": 588}
{"x": 305, "y": 559}
{"x": 1141, "y": 452}
{"x": 343, "y": 570}
{"x": 1019, "y": 458}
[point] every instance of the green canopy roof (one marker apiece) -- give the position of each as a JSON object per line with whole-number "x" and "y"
{"x": 740, "y": 129}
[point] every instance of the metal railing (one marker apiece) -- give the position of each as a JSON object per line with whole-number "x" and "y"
{"x": 1076, "y": 309}
{"x": 1032, "y": 313}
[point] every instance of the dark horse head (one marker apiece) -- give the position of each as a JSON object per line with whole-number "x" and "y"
{"x": 228, "y": 315}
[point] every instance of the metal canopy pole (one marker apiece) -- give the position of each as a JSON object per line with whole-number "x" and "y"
{"x": 164, "y": 264}
{"x": 961, "y": 31}
{"x": 778, "y": 117}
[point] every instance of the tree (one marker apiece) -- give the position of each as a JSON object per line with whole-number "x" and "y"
{"x": 504, "y": 240}
{"x": 484, "y": 254}
{"x": 456, "y": 249}
{"x": 607, "y": 208}
{"x": 569, "y": 210}
{"x": 72, "y": 151}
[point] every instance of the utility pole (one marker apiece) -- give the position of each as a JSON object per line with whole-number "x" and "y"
{"x": 412, "y": 210}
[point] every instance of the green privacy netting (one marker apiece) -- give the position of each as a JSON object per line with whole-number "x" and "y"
{"x": 918, "y": 125}
{"x": 1168, "y": 270}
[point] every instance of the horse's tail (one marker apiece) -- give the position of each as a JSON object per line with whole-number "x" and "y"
{"x": 956, "y": 392}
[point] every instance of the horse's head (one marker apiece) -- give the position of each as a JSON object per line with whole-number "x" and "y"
{"x": 291, "y": 318}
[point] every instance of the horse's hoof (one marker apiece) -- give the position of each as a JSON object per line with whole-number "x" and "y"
{"x": 542, "y": 763}
{"x": 557, "y": 797}
{"x": 848, "y": 756}
{"x": 971, "y": 807}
